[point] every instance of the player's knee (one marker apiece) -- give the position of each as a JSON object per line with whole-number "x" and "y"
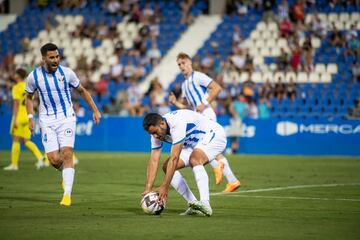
{"x": 58, "y": 165}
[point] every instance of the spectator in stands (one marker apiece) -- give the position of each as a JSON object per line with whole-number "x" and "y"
{"x": 9, "y": 64}
{"x": 318, "y": 28}
{"x": 153, "y": 54}
{"x": 238, "y": 107}
{"x": 279, "y": 89}
{"x": 268, "y": 6}
{"x": 135, "y": 13}
{"x": 252, "y": 110}
{"x": 112, "y": 6}
{"x": 296, "y": 56}
{"x": 264, "y": 107}
{"x": 114, "y": 107}
{"x": 238, "y": 59}
{"x": 242, "y": 8}
{"x": 147, "y": 12}
{"x": 351, "y": 32}
{"x": 286, "y": 28}
{"x": 116, "y": 72}
{"x": 283, "y": 11}
{"x": 307, "y": 54}
{"x": 356, "y": 71}
{"x": 186, "y": 16}
{"x": 298, "y": 11}
{"x": 248, "y": 66}
{"x": 25, "y": 44}
{"x": 102, "y": 30}
{"x": 291, "y": 92}
{"x": 50, "y": 22}
{"x": 336, "y": 38}
{"x": 353, "y": 47}
{"x": 133, "y": 104}
{"x": 249, "y": 90}
{"x": 157, "y": 99}
{"x": 267, "y": 90}
{"x": 283, "y": 60}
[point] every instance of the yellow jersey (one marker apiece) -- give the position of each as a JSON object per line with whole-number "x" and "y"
{"x": 18, "y": 93}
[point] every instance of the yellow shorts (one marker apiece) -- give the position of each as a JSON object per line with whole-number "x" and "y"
{"x": 22, "y": 130}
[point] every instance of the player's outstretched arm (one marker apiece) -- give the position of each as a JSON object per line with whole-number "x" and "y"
{"x": 88, "y": 99}
{"x": 170, "y": 169}
{"x": 30, "y": 111}
{"x": 177, "y": 103}
{"x": 151, "y": 171}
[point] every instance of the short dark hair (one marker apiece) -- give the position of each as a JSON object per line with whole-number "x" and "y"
{"x": 48, "y": 47}
{"x": 151, "y": 119}
{"x": 183, "y": 55}
{"x": 21, "y": 72}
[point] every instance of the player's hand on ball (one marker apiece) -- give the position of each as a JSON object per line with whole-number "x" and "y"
{"x": 96, "y": 117}
{"x": 163, "y": 194}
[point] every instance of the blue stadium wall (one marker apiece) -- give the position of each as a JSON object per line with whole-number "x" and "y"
{"x": 272, "y": 136}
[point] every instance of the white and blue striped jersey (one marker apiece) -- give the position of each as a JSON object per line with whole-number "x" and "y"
{"x": 54, "y": 92}
{"x": 185, "y": 126}
{"x": 194, "y": 88}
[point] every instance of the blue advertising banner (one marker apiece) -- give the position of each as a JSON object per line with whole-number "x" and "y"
{"x": 272, "y": 136}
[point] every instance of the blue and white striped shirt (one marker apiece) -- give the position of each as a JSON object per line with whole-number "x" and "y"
{"x": 185, "y": 126}
{"x": 54, "y": 92}
{"x": 194, "y": 88}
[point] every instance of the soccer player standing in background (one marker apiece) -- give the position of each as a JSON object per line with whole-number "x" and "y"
{"x": 195, "y": 91}
{"x": 56, "y": 114}
{"x": 19, "y": 129}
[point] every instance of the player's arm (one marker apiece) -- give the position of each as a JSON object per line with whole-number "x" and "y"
{"x": 152, "y": 169}
{"x": 170, "y": 169}
{"x": 15, "y": 112}
{"x": 88, "y": 99}
{"x": 214, "y": 90}
{"x": 30, "y": 110}
{"x": 179, "y": 104}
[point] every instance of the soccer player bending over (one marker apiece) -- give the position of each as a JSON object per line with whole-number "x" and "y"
{"x": 56, "y": 114}
{"x": 195, "y": 140}
{"x": 19, "y": 129}
{"x": 198, "y": 91}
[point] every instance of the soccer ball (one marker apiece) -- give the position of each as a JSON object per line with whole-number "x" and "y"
{"x": 149, "y": 205}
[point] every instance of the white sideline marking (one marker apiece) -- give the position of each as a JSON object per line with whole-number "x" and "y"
{"x": 298, "y": 198}
{"x": 285, "y": 188}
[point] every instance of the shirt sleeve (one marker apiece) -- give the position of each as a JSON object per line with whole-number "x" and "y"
{"x": 177, "y": 131}
{"x": 74, "y": 81}
{"x": 16, "y": 93}
{"x": 155, "y": 143}
{"x": 204, "y": 80}
{"x": 30, "y": 83}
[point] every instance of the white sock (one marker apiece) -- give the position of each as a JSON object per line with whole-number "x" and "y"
{"x": 178, "y": 182}
{"x": 229, "y": 175}
{"x": 214, "y": 163}
{"x": 68, "y": 178}
{"x": 202, "y": 181}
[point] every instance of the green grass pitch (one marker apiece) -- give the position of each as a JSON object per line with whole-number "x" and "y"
{"x": 281, "y": 197}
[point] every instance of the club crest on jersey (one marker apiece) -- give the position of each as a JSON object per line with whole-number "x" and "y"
{"x": 61, "y": 78}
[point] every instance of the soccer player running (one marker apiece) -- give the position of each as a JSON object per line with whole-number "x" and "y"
{"x": 56, "y": 114}
{"x": 19, "y": 129}
{"x": 195, "y": 140}
{"x": 195, "y": 92}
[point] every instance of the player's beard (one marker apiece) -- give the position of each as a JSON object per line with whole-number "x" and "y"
{"x": 52, "y": 67}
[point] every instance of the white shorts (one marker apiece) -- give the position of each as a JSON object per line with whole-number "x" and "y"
{"x": 213, "y": 144}
{"x": 59, "y": 134}
{"x": 210, "y": 113}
